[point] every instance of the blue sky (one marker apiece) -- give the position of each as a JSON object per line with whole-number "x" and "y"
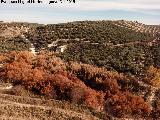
{"x": 146, "y": 11}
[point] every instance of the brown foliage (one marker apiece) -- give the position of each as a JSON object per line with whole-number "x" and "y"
{"x": 97, "y": 78}
{"x": 112, "y": 86}
{"x": 124, "y": 104}
{"x": 153, "y": 77}
{"x": 50, "y": 62}
{"x": 48, "y": 75}
{"x": 2, "y": 58}
{"x": 23, "y": 56}
{"x": 92, "y": 72}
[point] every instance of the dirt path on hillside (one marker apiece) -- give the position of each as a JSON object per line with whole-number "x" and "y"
{"x": 27, "y": 108}
{"x": 39, "y": 112}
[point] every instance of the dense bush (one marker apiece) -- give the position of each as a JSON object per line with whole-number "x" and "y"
{"x": 11, "y": 44}
{"x": 118, "y": 102}
{"x": 134, "y": 59}
{"x": 123, "y": 104}
{"x": 37, "y": 75}
{"x": 97, "y": 78}
{"x": 48, "y": 75}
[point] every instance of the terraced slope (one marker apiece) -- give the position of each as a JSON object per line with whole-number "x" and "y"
{"x": 139, "y": 27}
{"x": 93, "y": 32}
{"x": 132, "y": 53}
{"x": 27, "y": 108}
{"x": 153, "y": 30}
{"x": 13, "y": 35}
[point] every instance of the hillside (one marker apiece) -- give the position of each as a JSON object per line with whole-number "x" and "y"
{"x": 23, "y": 107}
{"x": 93, "y": 32}
{"x": 100, "y": 43}
{"x": 37, "y": 85}
{"x": 84, "y": 70}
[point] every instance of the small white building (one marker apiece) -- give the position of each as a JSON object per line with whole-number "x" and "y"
{"x": 61, "y": 48}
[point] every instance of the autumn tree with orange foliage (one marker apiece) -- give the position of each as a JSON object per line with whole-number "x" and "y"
{"x": 47, "y": 75}
{"x": 153, "y": 77}
{"x": 123, "y": 104}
